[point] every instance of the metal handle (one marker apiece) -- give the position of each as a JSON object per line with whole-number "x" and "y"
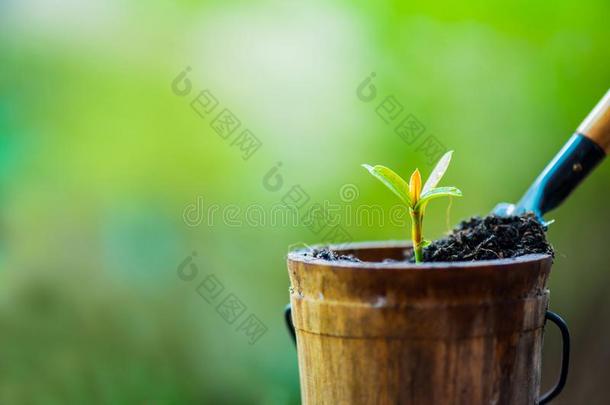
{"x": 578, "y": 157}
{"x": 565, "y": 357}
{"x": 289, "y": 324}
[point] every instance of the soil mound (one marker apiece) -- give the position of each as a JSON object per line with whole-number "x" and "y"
{"x": 491, "y": 237}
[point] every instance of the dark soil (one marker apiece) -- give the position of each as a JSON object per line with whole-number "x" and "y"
{"x": 477, "y": 238}
{"x": 491, "y": 237}
{"x": 331, "y": 255}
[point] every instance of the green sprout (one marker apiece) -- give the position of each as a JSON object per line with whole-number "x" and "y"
{"x": 415, "y": 197}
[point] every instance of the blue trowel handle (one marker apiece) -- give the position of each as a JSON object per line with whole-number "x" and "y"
{"x": 579, "y": 156}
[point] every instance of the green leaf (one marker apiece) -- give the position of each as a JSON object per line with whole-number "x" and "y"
{"x": 425, "y": 243}
{"x": 391, "y": 180}
{"x": 438, "y": 172}
{"x": 436, "y": 193}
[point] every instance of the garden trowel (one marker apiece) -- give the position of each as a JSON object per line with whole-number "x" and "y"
{"x": 578, "y": 157}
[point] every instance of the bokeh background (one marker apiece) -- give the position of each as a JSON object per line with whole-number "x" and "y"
{"x": 100, "y": 159}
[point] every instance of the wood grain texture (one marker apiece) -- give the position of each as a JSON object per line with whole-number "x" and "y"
{"x": 372, "y": 333}
{"x": 597, "y": 124}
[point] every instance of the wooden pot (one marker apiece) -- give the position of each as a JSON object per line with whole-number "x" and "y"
{"x": 436, "y": 333}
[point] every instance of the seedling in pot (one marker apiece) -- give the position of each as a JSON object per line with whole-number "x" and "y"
{"x": 416, "y": 197}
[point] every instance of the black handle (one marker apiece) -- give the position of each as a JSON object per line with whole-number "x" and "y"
{"x": 579, "y": 156}
{"x": 565, "y": 357}
{"x": 289, "y": 324}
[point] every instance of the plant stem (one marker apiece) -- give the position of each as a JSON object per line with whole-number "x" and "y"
{"x": 416, "y": 235}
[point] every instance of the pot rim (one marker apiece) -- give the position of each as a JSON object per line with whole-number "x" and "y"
{"x": 299, "y": 257}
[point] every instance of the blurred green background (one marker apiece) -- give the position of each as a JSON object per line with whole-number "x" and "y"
{"x": 100, "y": 160}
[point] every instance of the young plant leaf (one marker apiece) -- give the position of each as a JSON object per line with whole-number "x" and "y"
{"x": 438, "y": 172}
{"x": 415, "y": 197}
{"x": 391, "y": 180}
{"x": 436, "y": 193}
{"x": 415, "y": 186}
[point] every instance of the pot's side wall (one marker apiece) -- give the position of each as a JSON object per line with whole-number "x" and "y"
{"x": 482, "y": 370}
{"x": 447, "y": 336}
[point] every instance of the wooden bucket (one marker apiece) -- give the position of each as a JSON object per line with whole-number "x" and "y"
{"x": 439, "y": 333}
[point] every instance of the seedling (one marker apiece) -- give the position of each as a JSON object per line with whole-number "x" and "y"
{"x": 415, "y": 197}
